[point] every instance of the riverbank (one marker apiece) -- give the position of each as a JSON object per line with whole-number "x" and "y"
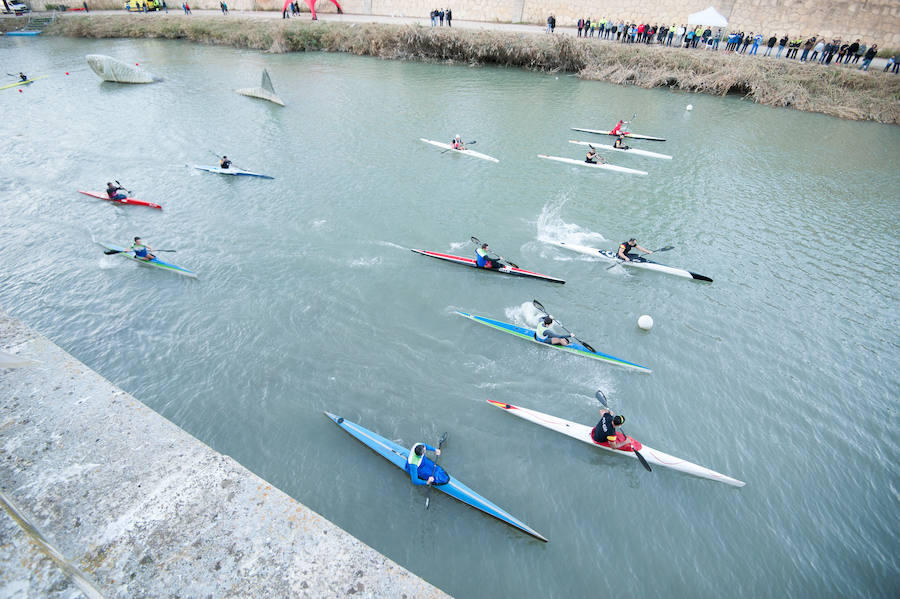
{"x": 841, "y": 92}
{"x": 101, "y": 495}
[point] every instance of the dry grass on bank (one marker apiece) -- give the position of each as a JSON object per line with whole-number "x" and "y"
{"x": 837, "y": 91}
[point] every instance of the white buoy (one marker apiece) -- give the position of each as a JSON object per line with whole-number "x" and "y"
{"x": 645, "y": 322}
{"x": 690, "y": 106}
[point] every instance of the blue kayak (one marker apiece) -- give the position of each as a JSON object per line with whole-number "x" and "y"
{"x": 573, "y": 348}
{"x": 155, "y": 262}
{"x": 398, "y": 455}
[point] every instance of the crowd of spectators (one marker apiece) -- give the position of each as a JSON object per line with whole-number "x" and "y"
{"x": 439, "y": 14}
{"x": 683, "y": 36}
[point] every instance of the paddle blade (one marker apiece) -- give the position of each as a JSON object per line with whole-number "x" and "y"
{"x": 111, "y": 252}
{"x": 441, "y": 441}
{"x": 665, "y": 249}
{"x": 641, "y": 459}
{"x": 475, "y": 240}
{"x": 601, "y": 398}
{"x": 539, "y": 306}
{"x": 588, "y": 346}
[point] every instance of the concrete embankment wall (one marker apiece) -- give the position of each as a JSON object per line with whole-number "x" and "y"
{"x": 875, "y": 21}
{"x": 100, "y": 495}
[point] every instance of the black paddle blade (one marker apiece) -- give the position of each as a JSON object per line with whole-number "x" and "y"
{"x": 111, "y": 252}
{"x": 641, "y": 459}
{"x": 475, "y": 240}
{"x": 443, "y": 438}
{"x": 665, "y": 249}
{"x": 588, "y": 346}
{"x": 601, "y": 398}
{"x": 539, "y": 306}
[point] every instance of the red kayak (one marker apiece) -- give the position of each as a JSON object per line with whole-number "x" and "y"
{"x": 103, "y": 196}
{"x": 509, "y": 270}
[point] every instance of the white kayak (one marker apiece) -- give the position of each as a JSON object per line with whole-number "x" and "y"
{"x": 638, "y": 262}
{"x": 472, "y": 153}
{"x": 636, "y": 151}
{"x": 583, "y": 433}
{"x": 625, "y": 133}
{"x": 232, "y": 170}
{"x": 608, "y": 167}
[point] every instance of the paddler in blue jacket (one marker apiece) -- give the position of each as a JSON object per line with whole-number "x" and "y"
{"x": 112, "y": 192}
{"x": 627, "y": 246}
{"x": 483, "y": 258}
{"x": 605, "y": 431}
{"x": 224, "y": 163}
{"x": 141, "y": 251}
{"x": 421, "y": 470}
{"x": 545, "y": 334}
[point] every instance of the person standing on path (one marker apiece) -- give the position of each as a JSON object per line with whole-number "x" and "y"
{"x": 820, "y": 46}
{"x": 867, "y": 59}
{"x": 781, "y": 44}
{"x": 807, "y": 46}
{"x": 859, "y": 53}
{"x": 449, "y": 16}
{"x": 165, "y": 7}
{"x": 756, "y": 41}
{"x": 851, "y": 51}
{"x": 769, "y": 45}
{"x": 441, "y": 16}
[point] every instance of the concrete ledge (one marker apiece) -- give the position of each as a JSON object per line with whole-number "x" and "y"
{"x": 143, "y": 509}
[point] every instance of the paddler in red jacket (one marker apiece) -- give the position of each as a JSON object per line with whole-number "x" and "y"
{"x": 618, "y": 128}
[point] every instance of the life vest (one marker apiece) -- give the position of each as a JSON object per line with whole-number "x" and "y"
{"x": 541, "y": 331}
{"x": 481, "y": 258}
{"x": 139, "y": 250}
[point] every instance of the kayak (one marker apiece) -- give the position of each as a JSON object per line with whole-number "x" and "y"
{"x": 23, "y": 33}
{"x": 132, "y": 201}
{"x": 574, "y": 347}
{"x": 233, "y": 170}
{"x": 625, "y": 133}
{"x": 17, "y": 83}
{"x": 583, "y": 433}
{"x": 608, "y": 167}
{"x": 638, "y": 262}
{"x": 472, "y": 153}
{"x": 636, "y": 151}
{"x": 156, "y": 262}
{"x": 398, "y": 455}
{"x": 509, "y": 270}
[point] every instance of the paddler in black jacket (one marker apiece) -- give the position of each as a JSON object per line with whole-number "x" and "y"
{"x": 620, "y": 143}
{"x": 224, "y": 163}
{"x": 627, "y": 246}
{"x": 605, "y": 431}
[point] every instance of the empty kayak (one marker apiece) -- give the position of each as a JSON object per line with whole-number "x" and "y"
{"x": 132, "y": 201}
{"x": 625, "y": 133}
{"x": 17, "y": 83}
{"x": 233, "y": 170}
{"x": 608, "y": 167}
{"x": 635, "y": 151}
{"x": 472, "y": 153}
{"x": 583, "y": 433}
{"x": 574, "y": 347}
{"x": 509, "y": 270}
{"x": 638, "y": 262}
{"x": 155, "y": 262}
{"x": 398, "y": 455}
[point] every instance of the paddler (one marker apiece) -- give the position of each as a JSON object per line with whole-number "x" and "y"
{"x": 617, "y": 130}
{"x": 113, "y": 192}
{"x": 22, "y": 76}
{"x": 421, "y": 470}
{"x": 605, "y": 431}
{"x": 483, "y": 259}
{"x": 627, "y": 246}
{"x": 593, "y": 158}
{"x": 224, "y": 163}
{"x": 457, "y": 143}
{"x": 620, "y": 143}
{"x": 545, "y": 334}
{"x": 141, "y": 251}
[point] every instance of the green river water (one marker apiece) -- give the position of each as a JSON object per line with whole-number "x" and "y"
{"x": 781, "y": 373}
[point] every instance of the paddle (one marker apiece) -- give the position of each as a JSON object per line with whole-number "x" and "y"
{"x": 128, "y": 191}
{"x": 600, "y": 159}
{"x": 602, "y": 399}
{"x": 478, "y": 242}
{"x": 540, "y": 307}
{"x": 662, "y": 249}
{"x": 220, "y": 161}
{"x": 428, "y": 493}
{"x": 468, "y": 143}
{"x": 111, "y": 252}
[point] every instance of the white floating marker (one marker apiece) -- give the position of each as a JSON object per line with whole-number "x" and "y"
{"x": 690, "y": 107}
{"x": 645, "y": 322}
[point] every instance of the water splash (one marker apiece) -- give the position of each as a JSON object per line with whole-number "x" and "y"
{"x": 551, "y": 226}
{"x": 524, "y": 314}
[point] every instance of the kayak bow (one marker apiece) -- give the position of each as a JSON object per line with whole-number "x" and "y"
{"x": 505, "y": 270}
{"x": 155, "y": 262}
{"x": 583, "y": 433}
{"x": 624, "y": 133}
{"x": 637, "y": 262}
{"x": 574, "y": 347}
{"x": 232, "y": 170}
{"x": 472, "y": 153}
{"x": 398, "y": 455}
{"x": 132, "y": 201}
{"x": 608, "y": 167}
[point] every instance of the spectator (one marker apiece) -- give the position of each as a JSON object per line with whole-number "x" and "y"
{"x": 851, "y": 51}
{"x": 781, "y": 44}
{"x": 769, "y": 45}
{"x": 441, "y": 16}
{"x": 746, "y": 42}
{"x": 756, "y": 41}
{"x": 818, "y": 49}
{"x": 670, "y": 35}
{"x": 807, "y": 46}
{"x": 580, "y": 25}
{"x": 859, "y": 53}
{"x": 716, "y": 39}
{"x": 842, "y": 53}
{"x": 449, "y": 15}
{"x": 896, "y": 66}
{"x": 867, "y": 59}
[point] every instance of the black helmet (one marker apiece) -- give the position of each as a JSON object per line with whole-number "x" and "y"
{"x": 618, "y": 420}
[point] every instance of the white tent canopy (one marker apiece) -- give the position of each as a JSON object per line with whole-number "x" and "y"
{"x": 710, "y": 16}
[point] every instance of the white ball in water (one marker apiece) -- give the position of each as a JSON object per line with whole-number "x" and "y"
{"x": 690, "y": 106}
{"x": 645, "y": 322}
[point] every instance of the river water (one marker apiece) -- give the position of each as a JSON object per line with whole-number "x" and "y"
{"x": 781, "y": 373}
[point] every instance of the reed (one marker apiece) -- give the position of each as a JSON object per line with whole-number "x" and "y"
{"x": 837, "y": 91}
